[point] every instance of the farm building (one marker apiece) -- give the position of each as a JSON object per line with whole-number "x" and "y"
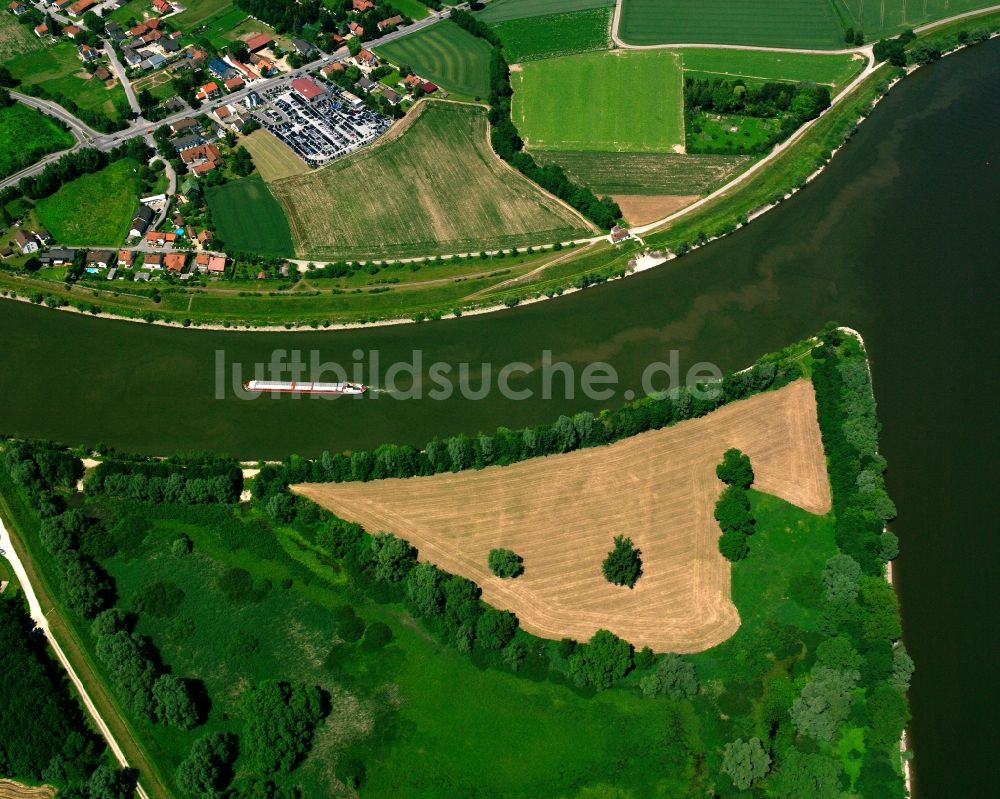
{"x": 258, "y": 42}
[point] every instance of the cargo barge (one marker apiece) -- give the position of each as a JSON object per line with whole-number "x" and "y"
{"x": 305, "y": 388}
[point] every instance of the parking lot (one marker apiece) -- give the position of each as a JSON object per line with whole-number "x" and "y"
{"x": 321, "y": 130}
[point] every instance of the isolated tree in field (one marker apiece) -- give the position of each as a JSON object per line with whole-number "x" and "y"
{"x": 746, "y": 762}
{"x": 392, "y": 557}
{"x": 623, "y": 566}
{"x": 505, "y": 563}
{"x": 205, "y": 772}
{"x": 279, "y": 721}
{"x": 735, "y": 469}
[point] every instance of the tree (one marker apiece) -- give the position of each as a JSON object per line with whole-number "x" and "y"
{"x": 392, "y": 557}
{"x": 842, "y": 578}
{"x": 879, "y": 610}
{"x": 205, "y": 772}
{"x": 495, "y": 628}
{"x": 109, "y": 783}
{"x": 824, "y": 703}
{"x": 505, "y": 563}
{"x": 732, "y": 511}
{"x": 806, "y": 776}
{"x": 902, "y": 668}
{"x": 85, "y": 588}
{"x": 242, "y": 163}
{"x": 423, "y": 590}
{"x": 838, "y": 653}
{"x": 879, "y": 778}
{"x": 746, "y": 762}
{"x": 888, "y": 713}
{"x": 889, "y": 549}
{"x": 735, "y": 469}
{"x": 622, "y": 566}
{"x": 279, "y": 721}
{"x": 675, "y": 676}
{"x": 733, "y": 546}
{"x": 174, "y": 705}
{"x": 601, "y": 661}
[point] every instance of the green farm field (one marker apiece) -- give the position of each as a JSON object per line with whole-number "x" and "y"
{"x": 532, "y": 38}
{"x": 27, "y": 135}
{"x": 197, "y": 12}
{"x": 499, "y": 10}
{"x": 435, "y": 188}
{"x": 413, "y": 9}
{"x": 833, "y": 70}
{"x": 648, "y": 173}
{"x": 249, "y": 219}
{"x": 774, "y": 23}
{"x": 616, "y": 101}
{"x": 94, "y": 209}
{"x": 447, "y": 55}
{"x": 891, "y": 16}
{"x": 58, "y": 69}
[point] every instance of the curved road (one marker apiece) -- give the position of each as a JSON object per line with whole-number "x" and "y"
{"x": 35, "y": 610}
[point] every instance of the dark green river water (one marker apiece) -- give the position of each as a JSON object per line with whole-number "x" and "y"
{"x": 898, "y": 238}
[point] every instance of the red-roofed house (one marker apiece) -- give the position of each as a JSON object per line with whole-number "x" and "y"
{"x": 411, "y": 81}
{"x": 209, "y": 91}
{"x": 366, "y": 58}
{"x": 71, "y": 31}
{"x": 329, "y": 69}
{"x": 428, "y": 87}
{"x": 126, "y": 258}
{"x": 175, "y": 261}
{"x": 139, "y": 30}
{"x": 204, "y": 236}
{"x": 152, "y": 260}
{"x": 363, "y": 5}
{"x": 161, "y": 6}
{"x": 211, "y": 263}
{"x": 234, "y": 83}
{"x": 356, "y": 29}
{"x": 203, "y": 152}
{"x": 619, "y": 234}
{"x": 41, "y": 30}
{"x": 86, "y": 52}
{"x": 80, "y": 7}
{"x": 258, "y": 42}
{"x": 17, "y": 8}
{"x": 392, "y": 22}
{"x": 310, "y": 89}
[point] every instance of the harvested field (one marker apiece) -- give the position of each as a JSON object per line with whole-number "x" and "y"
{"x": 273, "y": 158}
{"x": 561, "y": 512}
{"x": 641, "y": 209}
{"x": 437, "y": 188}
{"x": 648, "y": 173}
{"x": 15, "y": 790}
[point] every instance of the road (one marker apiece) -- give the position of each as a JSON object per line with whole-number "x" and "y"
{"x": 119, "y": 70}
{"x": 35, "y": 610}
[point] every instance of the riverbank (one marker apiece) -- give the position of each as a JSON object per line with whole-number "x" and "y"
{"x": 798, "y": 166}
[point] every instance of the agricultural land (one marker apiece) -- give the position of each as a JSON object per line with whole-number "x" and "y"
{"x": 437, "y": 187}
{"x": 15, "y": 790}
{"x": 503, "y": 10}
{"x": 835, "y": 71}
{"x": 447, "y": 55}
{"x": 15, "y": 39}
{"x": 273, "y": 158}
{"x": 27, "y": 135}
{"x": 531, "y": 38}
{"x": 660, "y": 487}
{"x": 95, "y": 208}
{"x": 246, "y": 213}
{"x": 577, "y": 103}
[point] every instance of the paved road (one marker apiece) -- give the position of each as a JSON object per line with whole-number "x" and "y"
{"x": 35, "y": 610}
{"x": 119, "y": 70}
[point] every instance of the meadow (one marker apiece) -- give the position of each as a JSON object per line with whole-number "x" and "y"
{"x": 729, "y": 133}
{"x": 833, "y": 70}
{"x": 413, "y": 9}
{"x": 500, "y": 10}
{"x": 16, "y": 38}
{"x": 249, "y": 219}
{"x": 273, "y": 158}
{"x": 616, "y": 101}
{"x": 774, "y": 23}
{"x": 27, "y": 135}
{"x": 437, "y": 187}
{"x": 648, "y": 173}
{"x": 447, "y": 55}
{"x": 197, "y": 12}
{"x": 94, "y": 209}
{"x": 58, "y": 69}
{"x": 531, "y": 38}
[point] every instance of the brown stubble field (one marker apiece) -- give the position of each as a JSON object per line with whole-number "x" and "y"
{"x": 561, "y": 512}
{"x": 15, "y": 790}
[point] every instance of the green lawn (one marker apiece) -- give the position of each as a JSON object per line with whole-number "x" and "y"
{"x": 196, "y": 12}
{"x": 447, "y": 55}
{"x": 94, "y": 209}
{"x": 833, "y": 70}
{"x": 413, "y": 9}
{"x": 248, "y": 219}
{"x": 499, "y": 10}
{"x": 58, "y": 69}
{"x": 728, "y": 133}
{"x": 27, "y": 135}
{"x": 532, "y": 38}
{"x": 774, "y": 23}
{"x": 131, "y": 10}
{"x": 616, "y": 101}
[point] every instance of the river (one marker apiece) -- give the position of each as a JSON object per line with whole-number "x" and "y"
{"x": 897, "y": 238}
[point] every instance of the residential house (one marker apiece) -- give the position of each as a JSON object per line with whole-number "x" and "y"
{"x": 25, "y": 242}
{"x": 196, "y": 56}
{"x": 258, "y": 42}
{"x": 392, "y": 96}
{"x": 138, "y": 30}
{"x": 366, "y": 84}
{"x": 428, "y": 87}
{"x": 366, "y": 59}
{"x": 152, "y": 37}
{"x": 175, "y": 104}
{"x": 169, "y": 45}
{"x": 99, "y": 259}
{"x": 141, "y": 221}
{"x": 152, "y": 260}
{"x": 43, "y": 236}
{"x": 204, "y": 237}
{"x": 356, "y": 29}
{"x": 264, "y": 66}
{"x": 17, "y": 8}
{"x": 411, "y": 81}
{"x": 209, "y": 91}
{"x": 221, "y": 69}
{"x": 114, "y": 31}
{"x": 126, "y": 258}
{"x": 363, "y": 5}
{"x": 80, "y": 7}
{"x": 203, "y": 167}
{"x": 102, "y": 74}
{"x": 41, "y": 30}
{"x": 223, "y": 113}
{"x": 329, "y": 69}
{"x": 71, "y": 31}
{"x": 338, "y": 40}
{"x": 210, "y": 262}
{"x": 162, "y": 7}
{"x": 157, "y": 238}
{"x": 87, "y": 53}
{"x": 303, "y": 47}
{"x": 175, "y": 261}
{"x": 131, "y": 57}
{"x": 191, "y": 233}
{"x": 187, "y": 123}
{"x": 154, "y": 61}
{"x": 391, "y": 22}
{"x": 619, "y": 234}
{"x": 199, "y": 156}
{"x": 234, "y": 84}
{"x": 57, "y": 257}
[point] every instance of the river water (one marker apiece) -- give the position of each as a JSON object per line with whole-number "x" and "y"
{"x": 897, "y": 238}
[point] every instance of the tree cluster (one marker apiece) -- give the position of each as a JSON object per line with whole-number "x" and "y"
{"x": 279, "y": 720}
{"x": 894, "y": 50}
{"x": 80, "y": 162}
{"x": 732, "y": 512}
{"x": 207, "y": 769}
{"x": 193, "y": 481}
